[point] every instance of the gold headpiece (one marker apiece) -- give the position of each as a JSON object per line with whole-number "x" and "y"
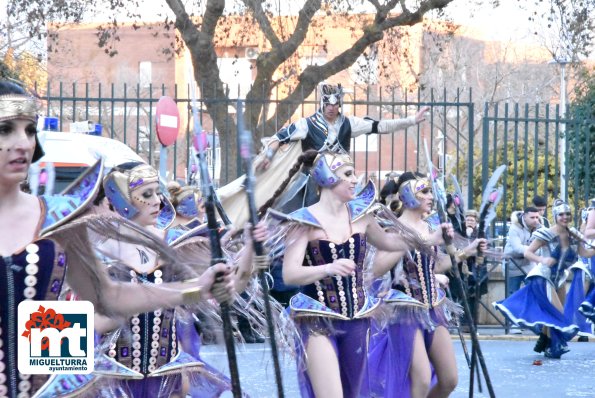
{"x": 15, "y": 106}
{"x": 186, "y": 201}
{"x": 119, "y": 184}
{"x": 418, "y": 184}
{"x": 338, "y": 160}
{"x": 188, "y": 191}
{"x": 129, "y": 180}
{"x": 409, "y": 189}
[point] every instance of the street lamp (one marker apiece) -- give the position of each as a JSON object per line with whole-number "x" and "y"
{"x": 562, "y": 145}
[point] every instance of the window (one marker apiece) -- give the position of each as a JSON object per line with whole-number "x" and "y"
{"x": 359, "y": 143}
{"x": 237, "y": 74}
{"x": 145, "y": 73}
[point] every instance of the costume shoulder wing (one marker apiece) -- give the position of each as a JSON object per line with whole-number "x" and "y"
{"x": 363, "y": 202}
{"x": 73, "y": 201}
{"x": 543, "y": 234}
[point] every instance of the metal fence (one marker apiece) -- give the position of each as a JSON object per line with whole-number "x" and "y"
{"x": 464, "y": 142}
{"x": 530, "y": 139}
{"x": 525, "y": 137}
{"x": 126, "y": 113}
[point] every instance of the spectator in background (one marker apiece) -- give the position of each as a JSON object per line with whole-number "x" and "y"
{"x": 522, "y": 225}
{"x": 477, "y": 280}
{"x": 540, "y": 203}
{"x": 392, "y": 175}
{"x": 471, "y": 223}
{"x": 388, "y": 192}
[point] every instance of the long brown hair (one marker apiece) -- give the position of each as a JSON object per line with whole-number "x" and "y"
{"x": 306, "y": 159}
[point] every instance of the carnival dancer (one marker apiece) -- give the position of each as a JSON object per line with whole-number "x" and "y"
{"x": 581, "y": 284}
{"x": 539, "y": 305}
{"x": 409, "y": 338}
{"x": 325, "y": 248}
{"x": 190, "y": 213}
{"x": 327, "y": 129}
{"x": 587, "y": 307}
{"x": 36, "y": 265}
{"x": 162, "y": 346}
{"x": 188, "y": 203}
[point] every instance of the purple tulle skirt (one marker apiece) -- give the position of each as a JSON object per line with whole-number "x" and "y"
{"x": 575, "y": 296}
{"x": 349, "y": 340}
{"x": 391, "y": 346}
{"x": 209, "y": 383}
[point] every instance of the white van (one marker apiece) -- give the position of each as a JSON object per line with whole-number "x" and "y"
{"x": 71, "y": 153}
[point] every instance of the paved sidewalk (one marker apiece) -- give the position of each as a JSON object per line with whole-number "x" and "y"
{"x": 513, "y": 372}
{"x": 509, "y": 358}
{"x": 498, "y": 333}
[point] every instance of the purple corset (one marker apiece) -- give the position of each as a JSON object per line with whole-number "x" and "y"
{"x": 37, "y": 272}
{"x": 150, "y": 341}
{"x": 343, "y": 295}
{"x": 420, "y": 281}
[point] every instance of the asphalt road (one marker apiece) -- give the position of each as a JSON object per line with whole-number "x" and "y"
{"x": 509, "y": 362}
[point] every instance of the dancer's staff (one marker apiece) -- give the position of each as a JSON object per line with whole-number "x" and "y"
{"x": 208, "y": 192}
{"x": 439, "y": 197}
{"x": 245, "y": 150}
{"x": 461, "y": 337}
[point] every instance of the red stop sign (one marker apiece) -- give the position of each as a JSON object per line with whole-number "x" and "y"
{"x": 167, "y": 121}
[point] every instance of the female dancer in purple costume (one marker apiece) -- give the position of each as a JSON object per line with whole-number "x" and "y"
{"x": 189, "y": 205}
{"x": 35, "y": 267}
{"x": 326, "y": 260}
{"x": 416, "y": 341}
{"x": 151, "y": 341}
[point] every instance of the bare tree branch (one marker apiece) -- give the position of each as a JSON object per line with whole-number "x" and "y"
{"x": 283, "y": 51}
{"x": 263, "y": 21}
{"x": 372, "y": 33}
{"x": 268, "y": 63}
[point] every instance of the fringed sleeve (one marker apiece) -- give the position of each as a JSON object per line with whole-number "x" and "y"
{"x": 88, "y": 275}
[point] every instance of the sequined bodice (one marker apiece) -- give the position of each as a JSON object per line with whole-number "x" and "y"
{"x": 151, "y": 340}
{"x": 343, "y": 295}
{"x": 420, "y": 282}
{"x": 35, "y": 273}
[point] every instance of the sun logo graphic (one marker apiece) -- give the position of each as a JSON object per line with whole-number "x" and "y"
{"x": 55, "y": 337}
